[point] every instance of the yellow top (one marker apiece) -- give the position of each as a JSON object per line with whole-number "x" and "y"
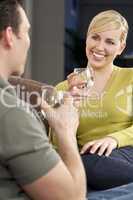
{"x": 110, "y": 113}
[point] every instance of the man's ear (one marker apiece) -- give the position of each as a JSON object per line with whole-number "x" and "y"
{"x": 7, "y": 37}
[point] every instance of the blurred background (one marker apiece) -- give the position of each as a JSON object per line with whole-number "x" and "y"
{"x": 58, "y": 35}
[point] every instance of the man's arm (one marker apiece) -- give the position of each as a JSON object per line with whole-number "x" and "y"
{"x": 57, "y": 184}
{"x": 67, "y": 179}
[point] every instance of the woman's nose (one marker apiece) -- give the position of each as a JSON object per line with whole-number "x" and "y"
{"x": 100, "y": 45}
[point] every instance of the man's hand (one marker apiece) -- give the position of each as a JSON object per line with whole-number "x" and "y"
{"x": 102, "y": 146}
{"x": 64, "y": 119}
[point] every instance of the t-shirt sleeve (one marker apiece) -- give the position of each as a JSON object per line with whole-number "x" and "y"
{"x": 25, "y": 147}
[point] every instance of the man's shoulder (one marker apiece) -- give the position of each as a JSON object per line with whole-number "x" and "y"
{"x": 11, "y": 104}
{"x": 7, "y": 102}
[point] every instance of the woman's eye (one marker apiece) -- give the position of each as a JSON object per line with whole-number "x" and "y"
{"x": 95, "y": 37}
{"x": 110, "y": 42}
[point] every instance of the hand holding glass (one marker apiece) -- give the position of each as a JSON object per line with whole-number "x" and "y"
{"x": 53, "y": 97}
{"x": 85, "y": 75}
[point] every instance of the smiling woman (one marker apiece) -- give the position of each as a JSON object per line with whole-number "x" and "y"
{"x": 106, "y": 38}
{"x": 105, "y": 140}
{"x": 103, "y": 47}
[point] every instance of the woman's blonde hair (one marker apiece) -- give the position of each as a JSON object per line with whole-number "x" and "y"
{"x": 109, "y": 20}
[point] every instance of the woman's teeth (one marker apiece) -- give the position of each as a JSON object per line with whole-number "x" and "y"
{"x": 98, "y": 55}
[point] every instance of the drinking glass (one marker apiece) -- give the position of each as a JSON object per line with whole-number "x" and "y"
{"x": 53, "y": 97}
{"x": 86, "y": 75}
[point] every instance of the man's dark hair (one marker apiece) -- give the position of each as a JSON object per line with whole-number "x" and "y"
{"x": 9, "y": 15}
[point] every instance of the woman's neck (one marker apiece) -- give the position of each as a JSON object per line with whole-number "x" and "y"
{"x": 103, "y": 72}
{"x": 101, "y": 77}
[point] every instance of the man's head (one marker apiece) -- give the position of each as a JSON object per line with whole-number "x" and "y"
{"x": 9, "y": 15}
{"x": 14, "y": 36}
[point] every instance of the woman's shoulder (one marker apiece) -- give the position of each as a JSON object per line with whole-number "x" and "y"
{"x": 62, "y": 85}
{"x": 124, "y": 73}
{"x": 124, "y": 70}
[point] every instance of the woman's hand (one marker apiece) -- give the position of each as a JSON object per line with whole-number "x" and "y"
{"x": 74, "y": 80}
{"x": 77, "y": 88}
{"x": 101, "y": 147}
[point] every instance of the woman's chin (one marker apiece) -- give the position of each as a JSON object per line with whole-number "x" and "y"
{"x": 96, "y": 65}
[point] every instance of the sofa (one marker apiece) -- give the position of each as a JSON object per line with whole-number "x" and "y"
{"x": 124, "y": 192}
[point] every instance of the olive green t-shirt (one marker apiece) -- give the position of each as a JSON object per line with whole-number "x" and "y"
{"x": 25, "y": 152}
{"x": 110, "y": 113}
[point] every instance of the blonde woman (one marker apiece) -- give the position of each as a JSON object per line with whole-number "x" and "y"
{"x": 105, "y": 132}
